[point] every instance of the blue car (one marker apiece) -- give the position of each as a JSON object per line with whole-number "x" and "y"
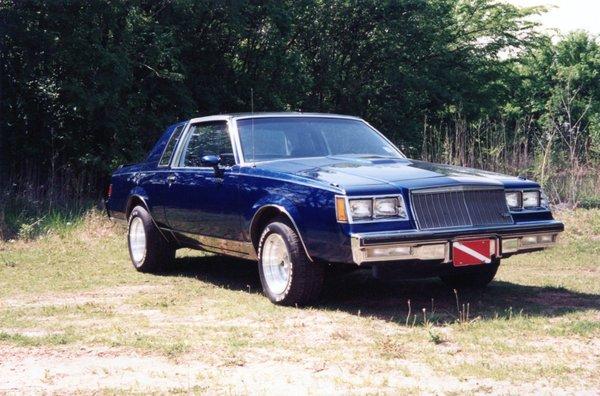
{"x": 306, "y": 193}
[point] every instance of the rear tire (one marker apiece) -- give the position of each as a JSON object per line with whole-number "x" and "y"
{"x": 287, "y": 275}
{"x": 148, "y": 249}
{"x": 471, "y": 278}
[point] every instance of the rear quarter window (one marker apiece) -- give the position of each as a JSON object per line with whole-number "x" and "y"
{"x": 165, "y": 159}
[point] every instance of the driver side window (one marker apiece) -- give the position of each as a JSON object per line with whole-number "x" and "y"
{"x": 210, "y": 138}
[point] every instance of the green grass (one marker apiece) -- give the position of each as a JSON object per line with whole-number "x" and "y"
{"x": 27, "y": 219}
{"x": 33, "y": 341}
{"x": 535, "y": 328}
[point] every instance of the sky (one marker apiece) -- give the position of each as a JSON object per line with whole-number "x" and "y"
{"x": 567, "y": 15}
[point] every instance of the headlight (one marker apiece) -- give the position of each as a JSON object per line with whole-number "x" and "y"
{"x": 544, "y": 200}
{"x": 365, "y": 209}
{"x": 527, "y": 199}
{"x": 385, "y": 207}
{"x": 513, "y": 199}
{"x": 361, "y": 209}
{"x": 531, "y": 199}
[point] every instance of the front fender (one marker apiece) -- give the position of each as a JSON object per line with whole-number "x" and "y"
{"x": 313, "y": 216}
{"x": 272, "y": 204}
{"x": 282, "y": 203}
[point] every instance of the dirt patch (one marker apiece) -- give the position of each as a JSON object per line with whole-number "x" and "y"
{"x": 28, "y": 332}
{"x": 89, "y": 369}
{"x": 250, "y": 369}
{"x": 110, "y": 295}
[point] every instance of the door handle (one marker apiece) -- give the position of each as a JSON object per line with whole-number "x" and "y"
{"x": 171, "y": 179}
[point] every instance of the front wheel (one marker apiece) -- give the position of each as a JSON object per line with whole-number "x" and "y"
{"x": 287, "y": 275}
{"x": 471, "y": 278}
{"x": 148, "y": 249}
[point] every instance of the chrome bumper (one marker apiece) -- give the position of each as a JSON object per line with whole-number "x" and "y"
{"x": 436, "y": 245}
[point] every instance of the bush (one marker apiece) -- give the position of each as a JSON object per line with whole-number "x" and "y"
{"x": 590, "y": 202}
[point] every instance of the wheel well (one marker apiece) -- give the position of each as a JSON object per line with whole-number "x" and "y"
{"x": 133, "y": 202}
{"x": 265, "y": 216}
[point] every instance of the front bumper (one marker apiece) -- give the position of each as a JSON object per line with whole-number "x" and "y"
{"x": 416, "y": 245}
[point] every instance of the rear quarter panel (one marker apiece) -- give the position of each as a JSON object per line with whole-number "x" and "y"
{"x": 134, "y": 181}
{"x": 122, "y": 183}
{"x": 139, "y": 179}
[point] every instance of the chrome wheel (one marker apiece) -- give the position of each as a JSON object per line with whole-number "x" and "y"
{"x": 276, "y": 263}
{"x": 137, "y": 239}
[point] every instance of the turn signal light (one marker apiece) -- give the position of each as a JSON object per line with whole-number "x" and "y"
{"x": 389, "y": 251}
{"x": 510, "y": 245}
{"x": 340, "y": 210}
{"x": 529, "y": 240}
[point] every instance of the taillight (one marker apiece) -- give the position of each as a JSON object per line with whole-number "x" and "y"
{"x": 109, "y": 191}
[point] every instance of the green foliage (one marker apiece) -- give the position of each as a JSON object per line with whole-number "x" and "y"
{"x": 89, "y": 85}
{"x": 590, "y": 202}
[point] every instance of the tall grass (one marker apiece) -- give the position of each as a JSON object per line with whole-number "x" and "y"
{"x": 31, "y": 205}
{"x": 517, "y": 148}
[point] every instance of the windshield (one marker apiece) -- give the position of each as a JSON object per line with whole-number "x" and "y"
{"x": 265, "y": 139}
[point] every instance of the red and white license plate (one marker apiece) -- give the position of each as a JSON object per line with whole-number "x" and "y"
{"x": 471, "y": 252}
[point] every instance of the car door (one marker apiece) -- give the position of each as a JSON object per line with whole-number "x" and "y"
{"x": 156, "y": 184}
{"x": 202, "y": 200}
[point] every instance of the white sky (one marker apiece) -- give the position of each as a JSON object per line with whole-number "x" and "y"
{"x": 567, "y": 15}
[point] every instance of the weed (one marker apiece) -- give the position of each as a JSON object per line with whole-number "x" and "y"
{"x": 26, "y": 231}
{"x": 177, "y": 349}
{"x": 8, "y": 263}
{"x": 390, "y": 348}
{"x": 463, "y": 310}
{"x": 434, "y": 336}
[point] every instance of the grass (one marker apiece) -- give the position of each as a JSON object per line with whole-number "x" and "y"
{"x": 29, "y": 217}
{"x": 25, "y": 340}
{"x": 205, "y": 327}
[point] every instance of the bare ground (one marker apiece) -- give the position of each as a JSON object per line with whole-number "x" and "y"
{"x": 88, "y": 368}
{"x": 75, "y": 318}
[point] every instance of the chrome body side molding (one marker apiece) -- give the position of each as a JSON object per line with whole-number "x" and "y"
{"x": 229, "y": 247}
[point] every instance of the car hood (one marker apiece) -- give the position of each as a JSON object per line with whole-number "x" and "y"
{"x": 364, "y": 173}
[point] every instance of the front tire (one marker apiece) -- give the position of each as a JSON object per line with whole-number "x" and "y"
{"x": 471, "y": 278}
{"x": 287, "y": 275}
{"x": 148, "y": 249}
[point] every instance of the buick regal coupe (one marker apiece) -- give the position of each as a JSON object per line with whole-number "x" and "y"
{"x": 301, "y": 193}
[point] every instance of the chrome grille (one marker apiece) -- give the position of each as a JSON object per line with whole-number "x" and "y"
{"x": 459, "y": 207}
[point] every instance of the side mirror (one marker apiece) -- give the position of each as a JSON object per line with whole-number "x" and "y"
{"x": 211, "y": 160}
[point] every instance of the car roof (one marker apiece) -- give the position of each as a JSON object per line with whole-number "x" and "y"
{"x": 238, "y": 116}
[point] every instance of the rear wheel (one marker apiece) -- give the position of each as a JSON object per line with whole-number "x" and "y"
{"x": 288, "y": 277}
{"x": 471, "y": 278}
{"x": 148, "y": 249}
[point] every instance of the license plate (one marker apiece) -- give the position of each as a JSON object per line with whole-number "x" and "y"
{"x": 471, "y": 252}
